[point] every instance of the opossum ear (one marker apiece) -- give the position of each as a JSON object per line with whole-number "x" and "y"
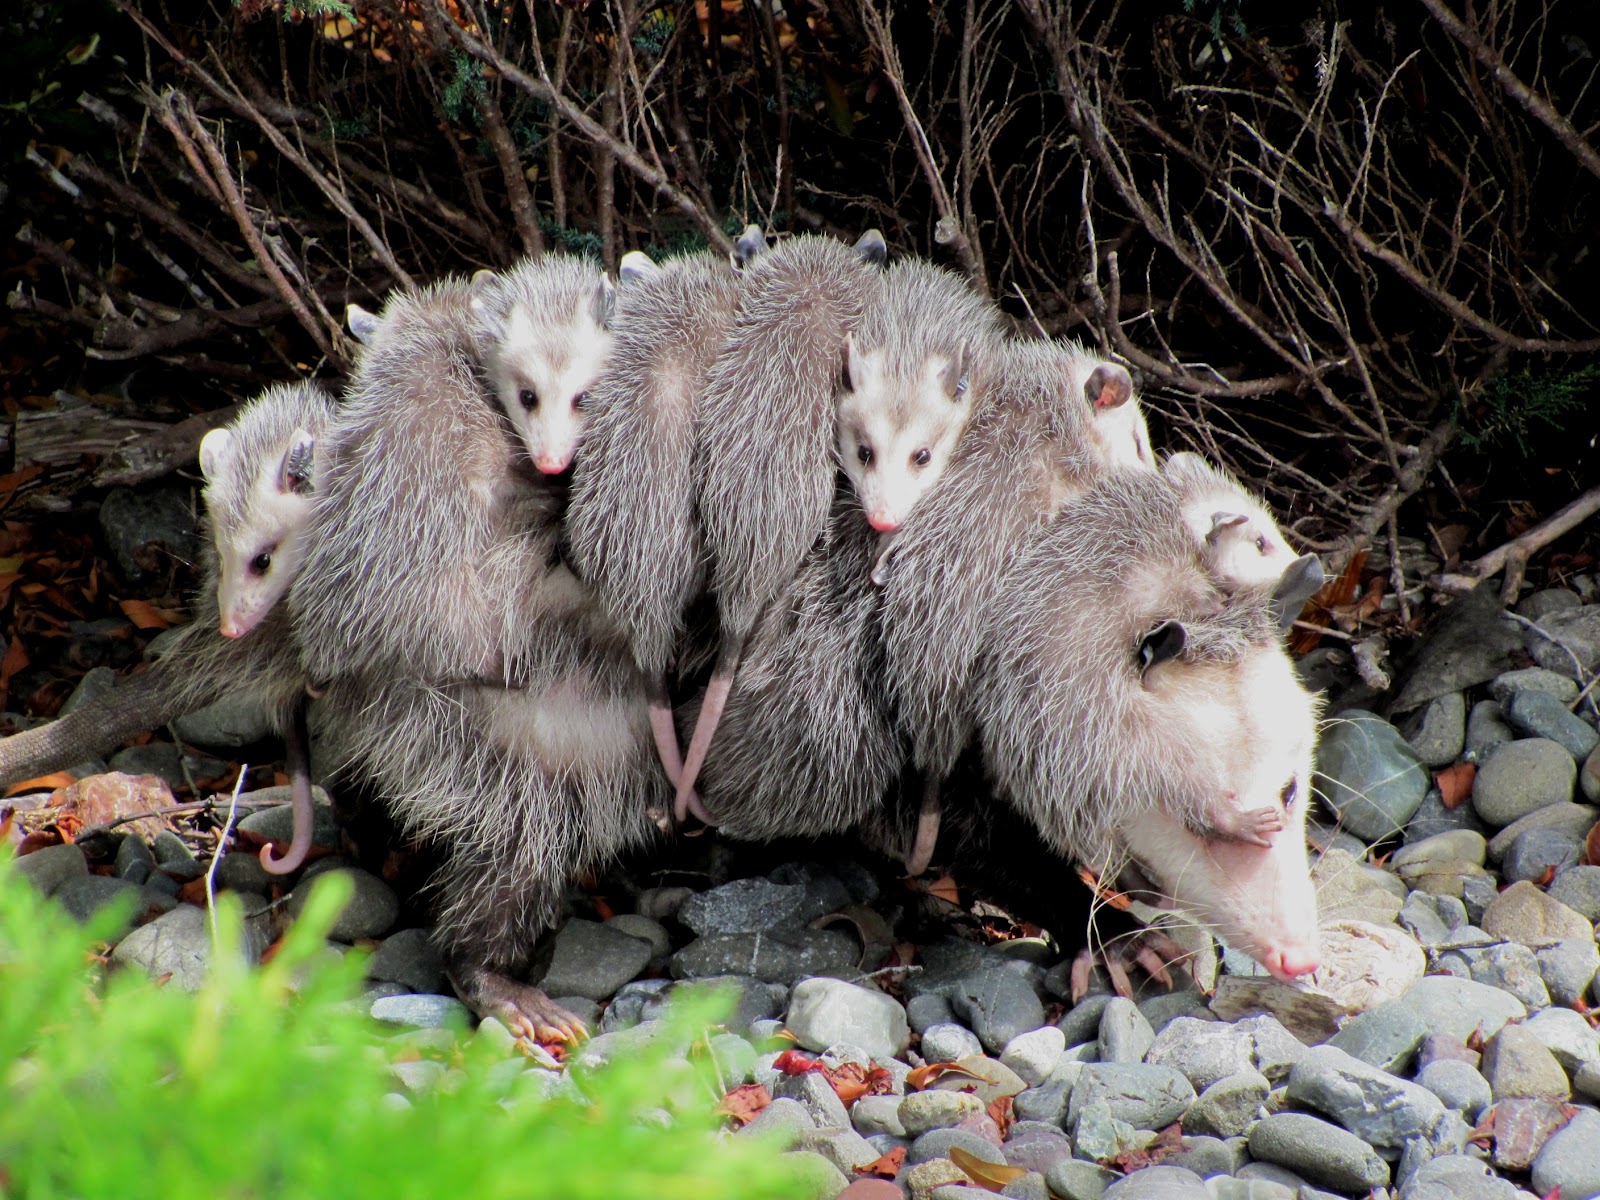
{"x": 1185, "y": 464}
{"x": 482, "y": 281}
{"x": 213, "y": 449}
{"x": 1298, "y": 583}
{"x": 605, "y": 303}
{"x": 957, "y": 372}
{"x": 1221, "y": 521}
{"x": 752, "y": 240}
{"x": 1109, "y": 386}
{"x": 294, "y": 474}
{"x": 636, "y": 265}
{"x": 870, "y": 248}
{"x": 1165, "y": 641}
{"x": 854, "y": 373}
{"x": 363, "y": 325}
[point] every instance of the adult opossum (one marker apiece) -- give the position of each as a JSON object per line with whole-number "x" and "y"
{"x": 763, "y": 455}
{"x": 631, "y": 524}
{"x": 1132, "y": 708}
{"x": 260, "y": 474}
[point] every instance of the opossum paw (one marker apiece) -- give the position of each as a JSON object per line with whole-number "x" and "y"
{"x": 523, "y": 1008}
{"x": 1149, "y": 948}
{"x": 1256, "y": 825}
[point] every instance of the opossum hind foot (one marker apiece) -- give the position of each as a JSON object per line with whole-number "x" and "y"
{"x": 523, "y": 1008}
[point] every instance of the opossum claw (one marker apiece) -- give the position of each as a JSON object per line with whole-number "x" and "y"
{"x": 524, "y": 1009}
{"x": 1255, "y": 826}
{"x": 1150, "y": 948}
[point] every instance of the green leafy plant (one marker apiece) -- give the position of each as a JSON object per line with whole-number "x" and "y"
{"x": 270, "y": 1082}
{"x": 1513, "y": 406}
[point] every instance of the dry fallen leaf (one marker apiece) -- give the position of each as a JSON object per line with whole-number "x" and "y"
{"x": 1455, "y": 783}
{"x": 145, "y": 615}
{"x": 992, "y": 1176}
{"x": 923, "y": 1077}
{"x": 1000, "y": 1113}
{"x": 44, "y": 783}
{"x": 886, "y": 1166}
{"x": 745, "y": 1103}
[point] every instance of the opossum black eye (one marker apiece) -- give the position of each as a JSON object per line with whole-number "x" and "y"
{"x": 1290, "y": 791}
{"x": 922, "y": 457}
{"x": 1261, "y": 544}
{"x": 528, "y": 398}
{"x": 261, "y": 563}
{"x": 864, "y": 453}
{"x": 581, "y": 400}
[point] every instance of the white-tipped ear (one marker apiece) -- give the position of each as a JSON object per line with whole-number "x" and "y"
{"x": 1221, "y": 521}
{"x": 294, "y": 473}
{"x": 636, "y": 265}
{"x": 748, "y": 245}
{"x": 363, "y": 324}
{"x": 605, "y": 302}
{"x": 213, "y": 449}
{"x": 854, "y": 371}
{"x": 482, "y": 282}
{"x": 957, "y": 373}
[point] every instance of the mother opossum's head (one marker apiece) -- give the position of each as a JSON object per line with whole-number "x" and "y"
{"x": 1135, "y": 711}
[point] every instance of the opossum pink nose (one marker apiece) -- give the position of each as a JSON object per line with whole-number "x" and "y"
{"x": 882, "y": 522}
{"x": 549, "y": 465}
{"x": 1288, "y": 963}
{"x": 231, "y": 628}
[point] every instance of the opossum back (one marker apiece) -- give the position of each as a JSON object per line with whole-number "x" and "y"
{"x": 807, "y": 743}
{"x": 1069, "y": 731}
{"x": 632, "y": 528}
{"x": 764, "y": 447}
{"x": 412, "y": 495}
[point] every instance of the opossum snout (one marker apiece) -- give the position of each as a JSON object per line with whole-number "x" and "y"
{"x": 883, "y": 522}
{"x": 1258, "y": 897}
{"x": 552, "y": 464}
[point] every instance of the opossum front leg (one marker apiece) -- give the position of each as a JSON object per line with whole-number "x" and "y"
{"x": 523, "y": 1008}
{"x": 884, "y": 560}
{"x": 1148, "y": 947}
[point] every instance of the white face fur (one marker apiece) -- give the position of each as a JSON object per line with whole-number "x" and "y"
{"x": 260, "y": 535}
{"x": 542, "y": 376}
{"x": 1251, "y": 727}
{"x": 895, "y": 437}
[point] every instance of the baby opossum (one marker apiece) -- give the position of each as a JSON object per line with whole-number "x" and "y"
{"x": 260, "y": 473}
{"x": 546, "y": 328}
{"x": 909, "y": 387}
{"x": 432, "y": 539}
{"x": 631, "y": 524}
{"x": 1035, "y": 444}
{"x": 1130, "y": 706}
{"x": 1237, "y": 536}
{"x": 763, "y": 450}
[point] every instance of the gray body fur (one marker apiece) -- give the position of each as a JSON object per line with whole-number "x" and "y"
{"x": 199, "y": 666}
{"x": 1028, "y": 450}
{"x": 764, "y": 454}
{"x": 1069, "y": 733}
{"x": 429, "y": 532}
{"x": 631, "y": 526}
{"x": 807, "y": 743}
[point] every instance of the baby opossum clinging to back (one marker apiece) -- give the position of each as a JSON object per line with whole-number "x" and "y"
{"x": 547, "y": 325}
{"x": 260, "y": 475}
{"x": 631, "y": 524}
{"x": 910, "y": 386}
{"x": 763, "y": 450}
